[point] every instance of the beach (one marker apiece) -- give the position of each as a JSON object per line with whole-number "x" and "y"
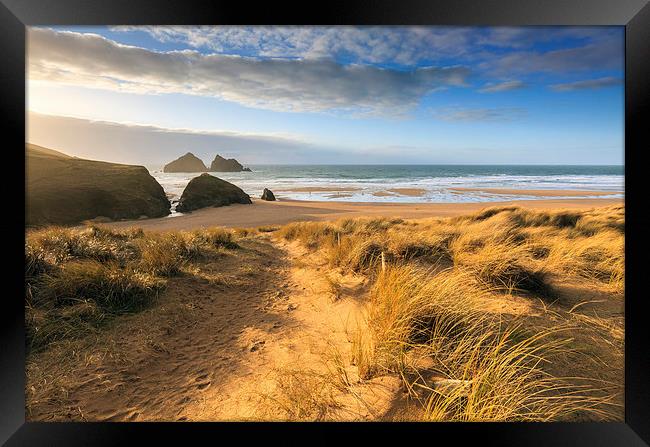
{"x": 407, "y": 184}
{"x": 262, "y": 213}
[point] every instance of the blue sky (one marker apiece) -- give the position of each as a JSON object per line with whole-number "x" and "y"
{"x": 332, "y": 95}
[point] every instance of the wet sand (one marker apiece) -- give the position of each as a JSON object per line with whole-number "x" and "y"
{"x": 279, "y": 213}
{"x": 409, "y": 192}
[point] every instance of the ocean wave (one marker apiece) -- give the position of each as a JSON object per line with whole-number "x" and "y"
{"x": 432, "y": 187}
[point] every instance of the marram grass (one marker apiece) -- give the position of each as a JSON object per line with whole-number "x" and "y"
{"x": 78, "y": 278}
{"x": 428, "y": 302}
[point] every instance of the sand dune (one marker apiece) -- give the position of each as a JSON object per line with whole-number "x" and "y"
{"x": 216, "y": 345}
{"x": 272, "y": 328}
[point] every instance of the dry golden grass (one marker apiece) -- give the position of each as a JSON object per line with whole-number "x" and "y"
{"x": 76, "y": 279}
{"x": 509, "y": 247}
{"x": 334, "y": 287}
{"x": 431, "y": 318}
{"x": 299, "y": 395}
{"x": 432, "y": 282}
{"x": 495, "y": 366}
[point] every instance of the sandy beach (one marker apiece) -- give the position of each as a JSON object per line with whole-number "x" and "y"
{"x": 282, "y": 212}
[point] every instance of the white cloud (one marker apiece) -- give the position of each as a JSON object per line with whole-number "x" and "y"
{"x": 305, "y": 85}
{"x": 405, "y": 45}
{"x": 367, "y": 44}
{"x": 587, "y": 84}
{"x": 503, "y": 87}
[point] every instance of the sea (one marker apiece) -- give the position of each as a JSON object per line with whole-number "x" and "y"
{"x": 387, "y": 183}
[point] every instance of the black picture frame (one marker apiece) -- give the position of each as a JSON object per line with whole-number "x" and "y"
{"x": 633, "y": 14}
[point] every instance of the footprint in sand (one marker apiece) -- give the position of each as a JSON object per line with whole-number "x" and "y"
{"x": 201, "y": 377}
{"x": 203, "y": 386}
{"x": 257, "y": 345}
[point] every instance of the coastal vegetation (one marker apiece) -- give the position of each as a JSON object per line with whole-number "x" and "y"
{"x": 443, "y": 309}
{"x": 78, "y": 279}
{"x": 482, "y": 317}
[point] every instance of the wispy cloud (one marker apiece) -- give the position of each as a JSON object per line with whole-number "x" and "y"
{"x": 370, "y": 44}
{"x": 606, "y": 54}
{"x": 306, "y": 85}
{"x": 503, "y": 87}
{"x": 461, "y": 114}
{"x": 396, "y": 45}
{"x": 587, "y": 84}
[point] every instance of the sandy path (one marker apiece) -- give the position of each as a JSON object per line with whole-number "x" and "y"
{"x": 212, "y": 347}
{"x": 279, "y": 213}
{"x": 319, "y": 326}
{"x": 158, "y": 362}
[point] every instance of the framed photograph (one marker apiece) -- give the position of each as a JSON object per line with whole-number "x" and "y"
{"x": 292, "y": 222}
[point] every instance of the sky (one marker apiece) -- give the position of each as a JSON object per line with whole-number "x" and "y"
{"x": 329, "y": 95}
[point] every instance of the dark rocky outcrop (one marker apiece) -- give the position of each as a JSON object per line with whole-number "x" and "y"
{"x": 187, "y": 163}
{"x": 268, "y": 195}
{"x": 67, "y": 190}
{"x": 207, "y": 190}
{"x": 220, "y": 164}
